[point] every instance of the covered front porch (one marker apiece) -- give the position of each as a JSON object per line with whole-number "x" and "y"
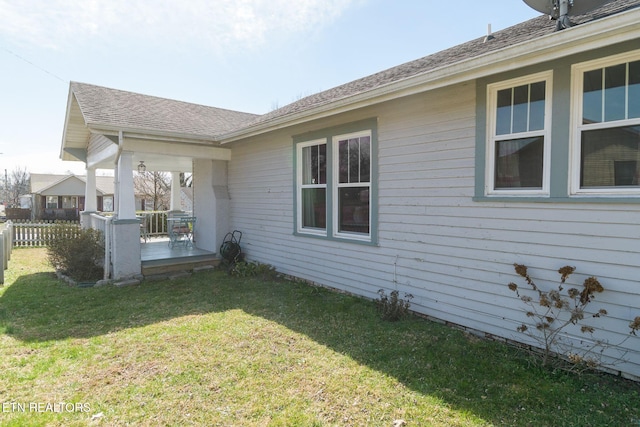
{"x": 130, "y": 132}
{"x": 131, "y": 254}
{"x": 145, "y": 255}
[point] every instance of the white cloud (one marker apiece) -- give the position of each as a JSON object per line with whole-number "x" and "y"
{"x": 211, "y": 23}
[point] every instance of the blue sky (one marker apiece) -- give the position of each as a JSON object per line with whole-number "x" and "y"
{"x": 246, "y": 55}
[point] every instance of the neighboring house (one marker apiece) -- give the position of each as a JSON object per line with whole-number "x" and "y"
{"x": 433, "y": 177}
{"x": 63, "y": 196}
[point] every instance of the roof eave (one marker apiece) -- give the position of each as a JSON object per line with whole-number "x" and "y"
{"x": 64, "y": 153}
{"x": 601, "y": 33}
{"x": 141, "y": 133}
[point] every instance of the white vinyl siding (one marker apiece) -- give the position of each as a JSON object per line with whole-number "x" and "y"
{"x": 453, "y": 254}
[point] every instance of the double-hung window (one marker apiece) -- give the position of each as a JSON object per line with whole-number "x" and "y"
{"x": 334, "y": 185}
{"x": 312, "y": 187}
{"x": 352, "y": 179}
{"x": 518, "y": 149}
{"x": 606, "y": 140}
{"x": 52, "y": 202}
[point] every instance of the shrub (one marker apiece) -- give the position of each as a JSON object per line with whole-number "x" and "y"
{"x": 391, "y": 307}
{"x": 253, "y": 269}
{"x": 552, "y": 312}
{"x": 77, "y": 253}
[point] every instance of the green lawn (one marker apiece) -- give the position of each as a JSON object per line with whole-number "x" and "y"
{"x": 215, "y": 350}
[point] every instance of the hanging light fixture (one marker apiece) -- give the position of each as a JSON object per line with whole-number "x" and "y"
{"x": 141, "y": 167}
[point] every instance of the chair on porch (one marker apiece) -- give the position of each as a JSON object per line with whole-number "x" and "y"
{"x": 144, "y": 226}
{"x": 180, "y": 227}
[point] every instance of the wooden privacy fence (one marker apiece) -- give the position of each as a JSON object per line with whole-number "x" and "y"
{"x": 35, "y": 234}
{"x": 6, "y": 230}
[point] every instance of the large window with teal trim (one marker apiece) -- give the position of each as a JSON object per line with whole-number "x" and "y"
{"x": 352, "y": 182}
{"x": 606, "y": 125}
{"x": 335, "y": 182}
{"x": 312, "y": 187}
{"x": 519, "y": 113}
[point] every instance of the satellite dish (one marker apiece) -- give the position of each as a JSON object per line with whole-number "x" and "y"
{"x": 560, "y": 10}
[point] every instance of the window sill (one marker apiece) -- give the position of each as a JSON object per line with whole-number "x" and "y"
{"x": 617, "y": 199}
{"x": 342, "y": 239}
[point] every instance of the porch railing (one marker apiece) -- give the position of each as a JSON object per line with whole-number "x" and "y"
{"x": 156, "y": 222}
{"x": 103, "y": 223}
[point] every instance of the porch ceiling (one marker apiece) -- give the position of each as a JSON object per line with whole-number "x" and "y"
{"x": 157, "y": 155}
{"x": 159, "y": 162}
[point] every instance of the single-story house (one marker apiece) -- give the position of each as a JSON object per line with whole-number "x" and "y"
{"x": 433, "y": 177}
{"x": 63, "y": 196}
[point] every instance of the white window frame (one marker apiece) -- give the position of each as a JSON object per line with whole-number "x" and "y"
{"x": 577, "y": 77}
{"x": 52, "y": 198}
{"x": 300, "y": 186}
{"x": 69, "y": 202}
{"x": 492, "y": 137}
{"x": 336, "y": 185}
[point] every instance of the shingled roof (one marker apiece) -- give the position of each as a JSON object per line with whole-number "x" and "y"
{"x": 101, "y": 106}
{"x": 520, "y": 33}
{"x": 116, "y": 109}
{"x": 41, "y": 182}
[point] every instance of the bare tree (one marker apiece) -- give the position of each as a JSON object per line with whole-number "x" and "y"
{"x": 154, "y": 187}
{"x": 16, "y": 184}
{"x": 186, "y": 179}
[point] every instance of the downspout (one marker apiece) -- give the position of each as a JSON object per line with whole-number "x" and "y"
{"x": 108, "y": 231}
{"x": 116, "y": 182}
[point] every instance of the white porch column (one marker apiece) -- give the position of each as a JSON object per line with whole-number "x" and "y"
{"x": 176, "y": 202}
{"x": 124, "y": 187}
{"x": 90, "y": 193}
{"x": 125, "y": 249}
{"x": 211, "y": 203}
{"x": 90, "y": 198}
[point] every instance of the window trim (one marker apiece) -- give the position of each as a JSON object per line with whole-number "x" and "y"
{"x": 577, "y": 127}
{"x": 327, "y": 134}
{"x": 335, "y": 185}
{"x": 57, "y": 202}
{"x": 300, "y": 186}
{"x": 492, "y": 137}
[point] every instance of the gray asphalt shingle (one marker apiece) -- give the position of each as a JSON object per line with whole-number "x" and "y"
{"x": 118, "y": 108}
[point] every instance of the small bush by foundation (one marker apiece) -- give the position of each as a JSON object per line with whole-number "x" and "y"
{"x": 253, "y": 269}
{"x": 391, "y": 307}
{"x": 77, "y": 253}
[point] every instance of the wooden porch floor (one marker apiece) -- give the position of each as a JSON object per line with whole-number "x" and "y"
{"x": 158, "y": 258}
